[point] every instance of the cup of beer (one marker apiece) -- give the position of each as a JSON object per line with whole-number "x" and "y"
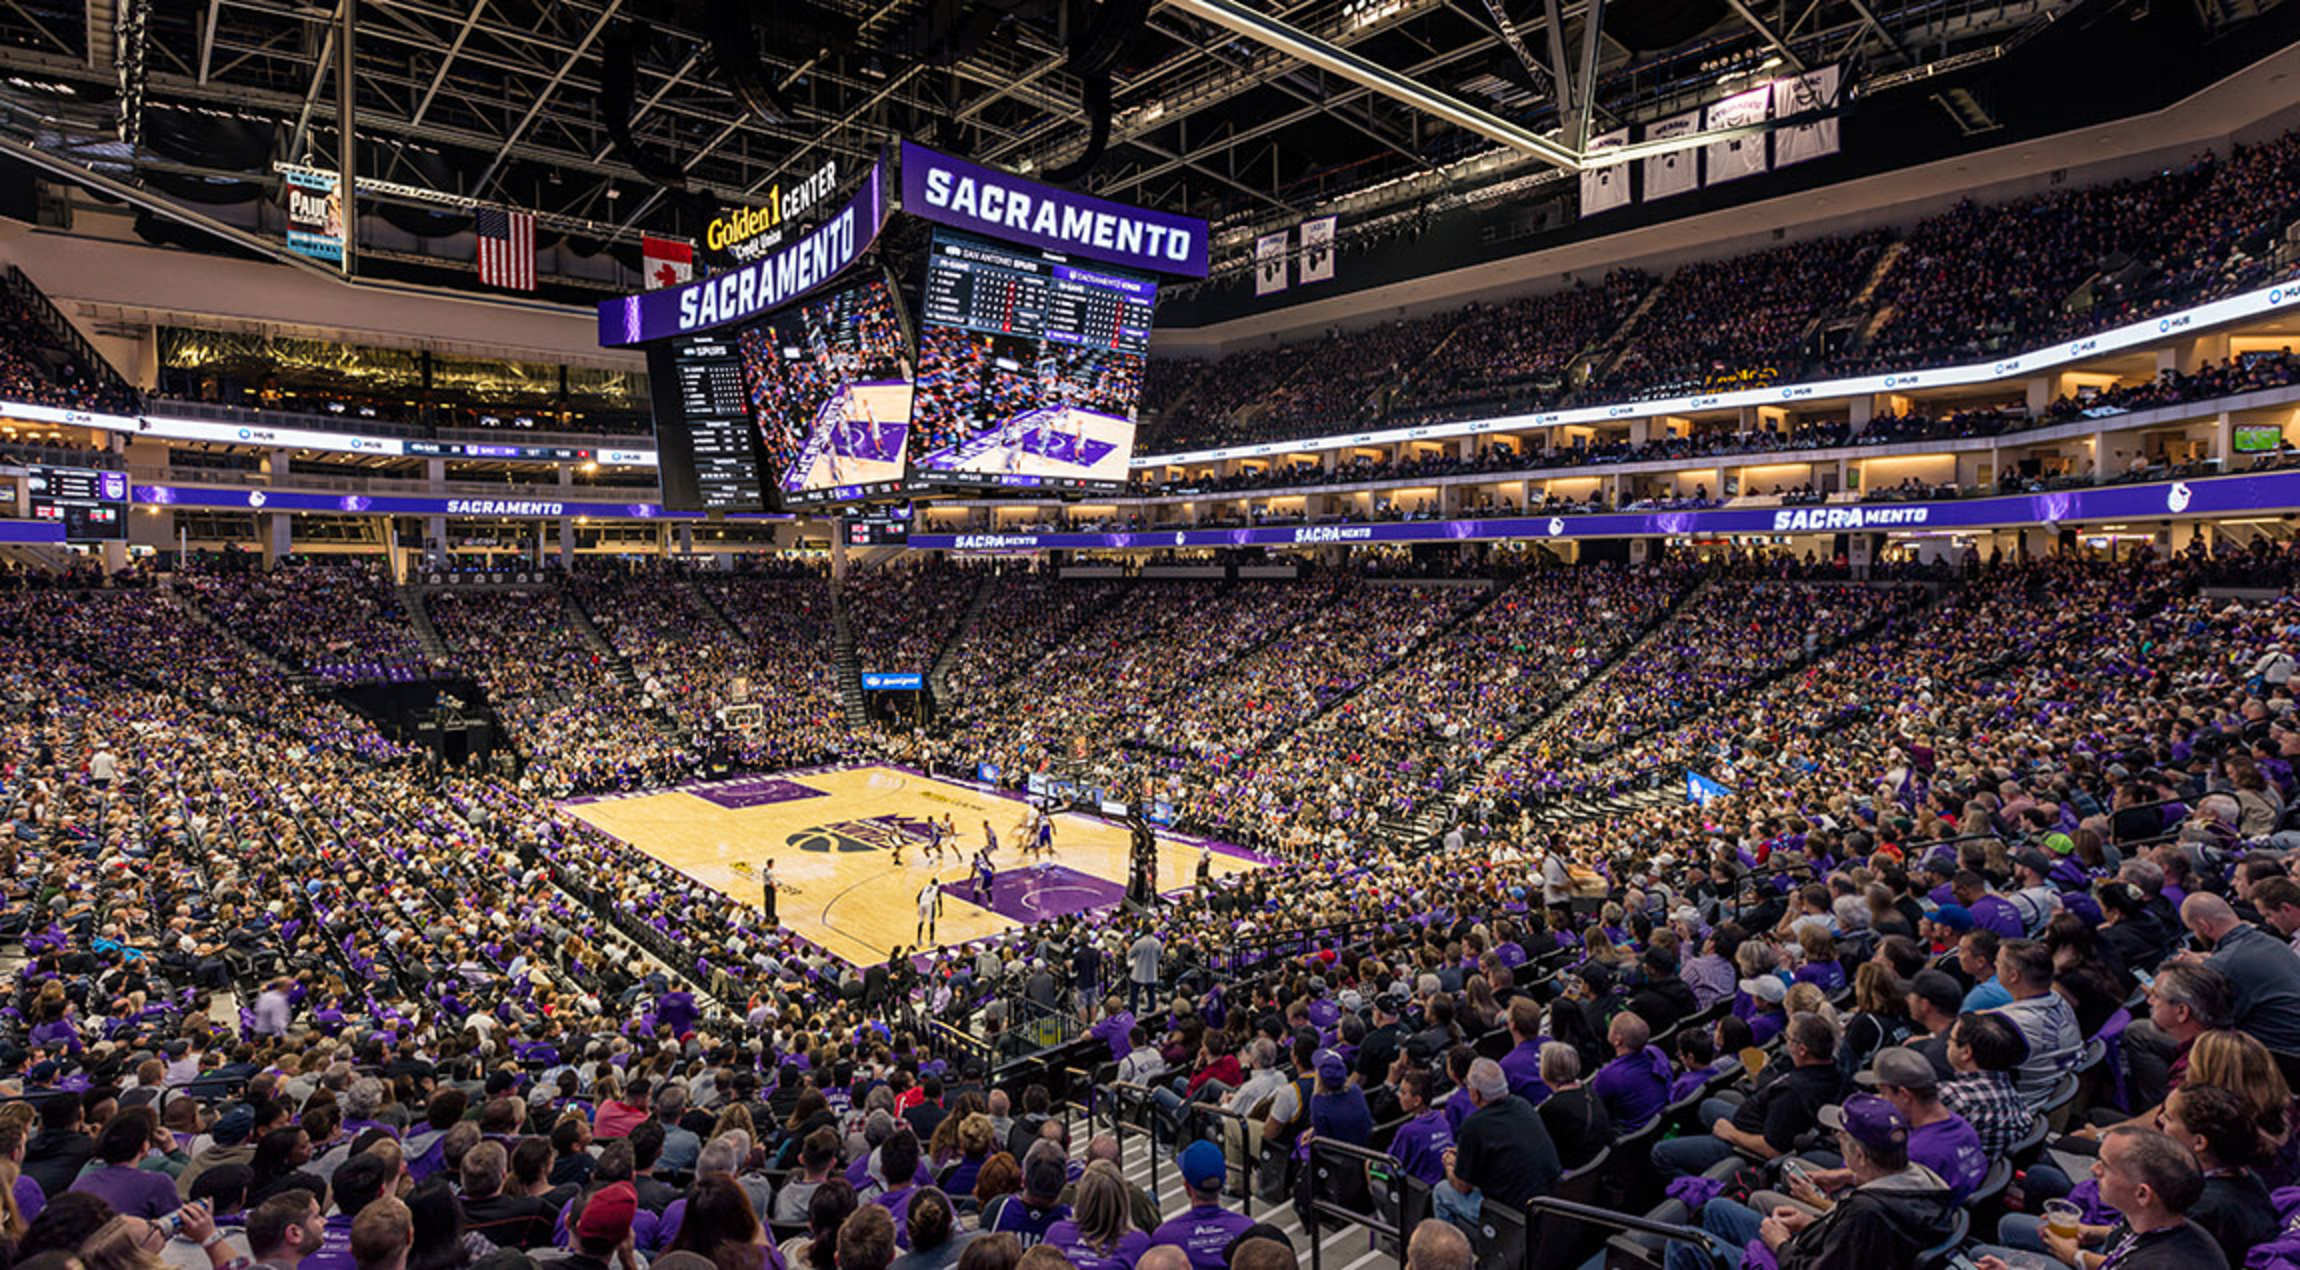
{"x": 2061, "y": 1217}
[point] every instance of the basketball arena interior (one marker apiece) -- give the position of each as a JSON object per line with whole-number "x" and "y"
{"x": 1149, "y": 634}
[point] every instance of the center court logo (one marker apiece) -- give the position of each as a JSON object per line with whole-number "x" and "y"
{"x": 876, "y": 833}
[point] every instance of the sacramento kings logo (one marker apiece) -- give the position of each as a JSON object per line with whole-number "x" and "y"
{"x": 877, "y": 833}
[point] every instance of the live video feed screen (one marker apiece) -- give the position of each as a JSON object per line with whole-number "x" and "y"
{"x": 1029, "y": 368}
{"x": 829, "y": 387}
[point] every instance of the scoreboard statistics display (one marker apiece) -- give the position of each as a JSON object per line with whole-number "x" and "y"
{"x": 828, "y": 385}
{"x": 1029, "y": 368}
{"x": 91, "y": 503}
{"x": 707, "y": 450}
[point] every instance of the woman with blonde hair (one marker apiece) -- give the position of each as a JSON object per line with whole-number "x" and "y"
{"x": 2239, "y": 1063}
{"x": 1099, "y": 1233}
{"x": 974, "y": 1138}
{"x": 1805, "y": 998}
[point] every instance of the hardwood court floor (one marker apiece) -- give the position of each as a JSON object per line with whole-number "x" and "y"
{"x": 830, "y": 834}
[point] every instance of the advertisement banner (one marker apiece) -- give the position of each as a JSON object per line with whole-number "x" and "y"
{"x": 1732, "y": 159}
{"x": 2211, "y": 497}
{"x": 1270, "y": 263}
{"x": 278, "y": 500}
{"x": 952, "y": 191}
{"x": 1317, "y": 263}
{"x": 770, "y": 282}
{"x": 1805, "y": 94}
{"x": 1603, "y": 189}
{"x": 315, "y": 216}
{"x": 1678, "y": 171}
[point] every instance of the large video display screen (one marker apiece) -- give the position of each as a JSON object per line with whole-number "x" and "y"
{"x": 91, "y": 503}
{"x": 829, "y": 386}
{"x": 1029, "y": 368}
{"x": 706, "y": 449}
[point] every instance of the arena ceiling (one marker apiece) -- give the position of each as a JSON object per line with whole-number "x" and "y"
{"x": 630, "y": 114}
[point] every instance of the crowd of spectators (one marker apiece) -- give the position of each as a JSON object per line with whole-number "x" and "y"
{"x": 38, "y": 370}
{"x": 577, "y": 725}
{"x": 1974, "y": 282}
{"x": 335, "y": 617}
{"x": 319, "y": 989}
{"x": 1741, "y": 322}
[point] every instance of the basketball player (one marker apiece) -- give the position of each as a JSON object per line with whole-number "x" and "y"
{"x": 989, "y": 841}
{"x": 929, "y": 908}
{"x": 984, "y": 876}
{"x": 1046, "y": 835}
{"x": 933, "y": 839}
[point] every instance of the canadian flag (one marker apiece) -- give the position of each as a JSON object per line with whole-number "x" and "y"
{"x": 667, "y": 262}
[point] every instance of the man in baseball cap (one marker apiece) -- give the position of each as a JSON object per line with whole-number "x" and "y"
{"x": 1939, "y": 1138}
{"x": 1205, "y": 1230}
{"x": 605, "y": 1223}
{"x": 1894, "y": 1210}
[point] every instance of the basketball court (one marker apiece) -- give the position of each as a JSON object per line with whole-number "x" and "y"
{"x": 832, "y": 832}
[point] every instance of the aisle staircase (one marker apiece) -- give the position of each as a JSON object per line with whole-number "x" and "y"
{"x": 938, "y": 674}
{"x": 1610, "y": 352}
{"x": 419, "y": 620}
{"x": 847, "y": 662}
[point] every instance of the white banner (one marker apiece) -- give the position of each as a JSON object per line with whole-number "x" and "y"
{"x": 1741, "y": 156}
{"x": 1603, "y": 189}
{"x": 1679, "y": 170}
{"x": 1317, "y": 264}
{"x": 1802, "y": 95}
{"x": 1270, "y": 262}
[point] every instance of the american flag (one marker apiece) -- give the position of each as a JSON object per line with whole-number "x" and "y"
{"x": 506, "y": 248}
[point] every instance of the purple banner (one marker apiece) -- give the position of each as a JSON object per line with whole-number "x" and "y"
{"x": 2274, "y": 491}
{"x": 996, "y": 204}
{"x": 766, "y": 284}
{"x": 31, "y": 532}
{"x": 273, "y": 500}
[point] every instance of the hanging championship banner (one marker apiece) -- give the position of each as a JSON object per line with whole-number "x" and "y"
{"x": 1679, "y": 170}
{"x": 1317, "y": 263}
{"x": 314, "y": 214}
{"x": 1603, "y": 189}
{"x": 1270, "y": 262}
{"x": 1804, "y": 95}
{"x": 1738, "y": 157}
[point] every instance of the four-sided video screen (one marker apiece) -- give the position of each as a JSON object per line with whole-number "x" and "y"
{"x": 1013, "y": 368}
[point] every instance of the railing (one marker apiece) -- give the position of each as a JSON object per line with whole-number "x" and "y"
{"x": 241, "y": 477}
{"x": 174, "y": 408}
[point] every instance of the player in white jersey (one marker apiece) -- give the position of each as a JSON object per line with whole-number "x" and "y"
{"x": 929, "y": 909}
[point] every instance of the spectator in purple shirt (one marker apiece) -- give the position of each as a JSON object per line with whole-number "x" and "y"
{"x": 1116, "y": 1027}
{"x": 1697, "y": 1060}
{"x": 131, "y": 1191}
{"x": 1099, "y": 1235}
{"x": 1205, "y": 1230}
{"x": 1635, "y": 1085}
{"x": 898, "y": 1158}
{"x": 1522, "y": 1064}
{"x": 1420, "y": 1144}
{"x": 1991, "y": 911}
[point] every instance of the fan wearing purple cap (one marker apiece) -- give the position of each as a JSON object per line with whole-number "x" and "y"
{"x": 1896, "y": 1209}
